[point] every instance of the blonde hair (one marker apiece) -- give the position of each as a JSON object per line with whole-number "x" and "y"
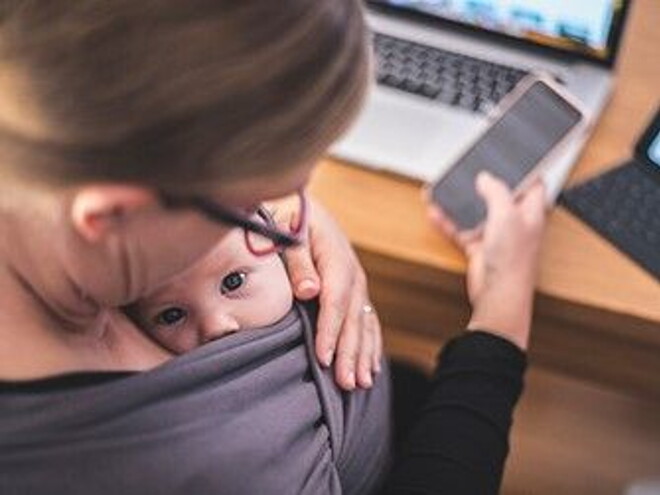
{"x": 179, "y": 94}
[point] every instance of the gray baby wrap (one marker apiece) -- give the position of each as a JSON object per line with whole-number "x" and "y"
{"x": 248, "y": 414}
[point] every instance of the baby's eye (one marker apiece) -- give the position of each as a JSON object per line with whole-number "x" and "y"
{"x": 232, "y": 282}
{"x": 171, "y": 316}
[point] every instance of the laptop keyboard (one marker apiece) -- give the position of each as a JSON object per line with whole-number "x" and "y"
{"x": 457, "y": 80}
{"x": 623, "y": 205}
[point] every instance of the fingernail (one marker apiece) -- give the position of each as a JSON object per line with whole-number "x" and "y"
{"x": 327, "y": 359}
{"x": 367, "y": 381}
{"x": 307, "y": 288}
{"x": 483, "y": 176}
{"x": 350, "y": 380}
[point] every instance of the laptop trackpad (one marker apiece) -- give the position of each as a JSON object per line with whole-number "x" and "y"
{"x": 409, "y": 135}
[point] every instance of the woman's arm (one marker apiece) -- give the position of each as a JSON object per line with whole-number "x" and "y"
{"x": 460, "y": 442}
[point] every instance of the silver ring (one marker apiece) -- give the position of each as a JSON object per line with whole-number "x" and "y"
{"x": 367, "y": 308}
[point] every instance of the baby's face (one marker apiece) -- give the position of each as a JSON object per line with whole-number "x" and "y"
{"x": 229, "y": 290}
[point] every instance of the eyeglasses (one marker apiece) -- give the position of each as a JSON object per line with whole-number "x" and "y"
{"x": 262, "y": 237}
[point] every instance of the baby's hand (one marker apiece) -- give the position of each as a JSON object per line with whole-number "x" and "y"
{"x": 326, "y": 266}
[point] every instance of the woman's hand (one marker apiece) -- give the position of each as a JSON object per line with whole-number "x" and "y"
{"x": 326, "y": 266}
{"x": 502, "y": 258}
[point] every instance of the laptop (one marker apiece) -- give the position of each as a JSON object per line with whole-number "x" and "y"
{"x": 623, "y": 203}
{"x": 441, "y": 65}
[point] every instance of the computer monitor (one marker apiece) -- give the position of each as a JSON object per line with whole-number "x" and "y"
{"x": 588, "y": 28}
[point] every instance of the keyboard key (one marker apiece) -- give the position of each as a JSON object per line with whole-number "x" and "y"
{"x": 447, "y": 77}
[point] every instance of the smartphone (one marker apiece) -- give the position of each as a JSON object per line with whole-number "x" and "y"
{"x": 525, "y": 131}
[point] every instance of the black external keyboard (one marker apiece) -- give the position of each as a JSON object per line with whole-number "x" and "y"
{"x": 445, "y": 76}
{"x": 623, "y": 205}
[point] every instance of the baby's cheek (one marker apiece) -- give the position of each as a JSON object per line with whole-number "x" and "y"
{"x": 179, "y": 340}
{"x": 275, "y": 305}
{"x": 270, "y": 294}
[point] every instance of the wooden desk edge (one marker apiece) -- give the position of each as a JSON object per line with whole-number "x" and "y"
{"x": 612, "y": 349}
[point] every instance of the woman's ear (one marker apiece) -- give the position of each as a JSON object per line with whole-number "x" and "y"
{"x": 97, "y": 210}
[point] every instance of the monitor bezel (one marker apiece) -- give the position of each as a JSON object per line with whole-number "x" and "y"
{"x": 643, "y": 144}
{"x": 614, "y": 43}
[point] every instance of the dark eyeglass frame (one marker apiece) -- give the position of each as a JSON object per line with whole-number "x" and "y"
{"x": 221, "y": 214}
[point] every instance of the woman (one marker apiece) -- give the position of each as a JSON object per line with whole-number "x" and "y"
{"x": 126, "y": 127}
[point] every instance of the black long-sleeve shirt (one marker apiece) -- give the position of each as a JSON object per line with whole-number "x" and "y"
{"x": 460, "y": 442}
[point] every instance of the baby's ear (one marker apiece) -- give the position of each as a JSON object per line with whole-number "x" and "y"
{"x": 97, "y": 210}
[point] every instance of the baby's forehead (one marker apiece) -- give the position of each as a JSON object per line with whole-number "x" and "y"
{"x": 230, "y": 253}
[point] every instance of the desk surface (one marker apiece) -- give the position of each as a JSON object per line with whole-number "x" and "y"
{"x": 584, "y": 280}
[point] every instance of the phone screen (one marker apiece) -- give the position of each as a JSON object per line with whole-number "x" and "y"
{"x": 510, "y": 149}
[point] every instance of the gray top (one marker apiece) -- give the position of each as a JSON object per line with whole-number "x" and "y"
{"x": 251, "y": 413}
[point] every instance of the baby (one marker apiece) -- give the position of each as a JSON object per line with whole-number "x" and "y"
{"x": 229, "y": 290}
{"x": 285, "y": 395}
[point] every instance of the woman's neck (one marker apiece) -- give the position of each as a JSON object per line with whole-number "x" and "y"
{"x": 49, "y": 327}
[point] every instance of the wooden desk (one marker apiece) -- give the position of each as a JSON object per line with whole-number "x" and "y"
{"x": 597, "y": 315}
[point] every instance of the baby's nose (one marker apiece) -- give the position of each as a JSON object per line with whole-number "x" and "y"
{"x": 218, "y": 325}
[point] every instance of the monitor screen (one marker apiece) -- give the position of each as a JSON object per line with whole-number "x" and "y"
{"x": 587, "y": 27}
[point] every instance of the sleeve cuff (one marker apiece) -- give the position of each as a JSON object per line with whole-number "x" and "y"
{"x": 482, "y": 345}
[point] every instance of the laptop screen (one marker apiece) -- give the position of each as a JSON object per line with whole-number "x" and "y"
{"x": 588, "y": 27}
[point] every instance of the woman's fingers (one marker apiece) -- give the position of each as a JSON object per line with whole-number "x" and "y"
{"x": 342, "y": 280}
{"x": 348, "y": 347}
{"x": 378, "y": 344}
{"x": 346, "y": 334}
{"x": 441, "y": 220}
{"x": 533, "y": 204}
{"x": 359, "y": 342}
{"x": 334, "y": 308}
{"x": 496, "y": 194}
{"x": 302, "y": 272}
{"x": 366, "y": 358}
{"x": 323, "y": 267}
{"x": 363, "y": 369}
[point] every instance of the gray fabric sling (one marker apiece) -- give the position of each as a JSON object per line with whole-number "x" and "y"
{"x": 248, "y": 414}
